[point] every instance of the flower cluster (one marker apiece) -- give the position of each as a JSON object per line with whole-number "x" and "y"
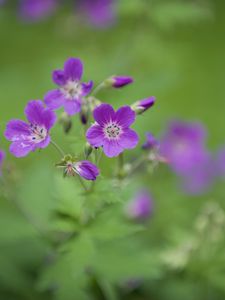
{"x": 182, "y": 146}
{"x": 105, "y": 128}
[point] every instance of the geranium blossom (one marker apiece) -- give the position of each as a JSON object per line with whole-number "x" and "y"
{"x": 26, "y": 137}
{"x": 111, "y": 130}
{"x": 71, "y": 90}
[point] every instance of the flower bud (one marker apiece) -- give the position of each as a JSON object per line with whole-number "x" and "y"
{"x": 120, "y": 81}
{"x": 142, "y": 105}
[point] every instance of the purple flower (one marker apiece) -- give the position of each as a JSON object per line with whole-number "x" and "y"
{"x": 2, "y": 158}
{"x": 120, "y": 81}
{"x": 142, "y": 105}
{"x": 99, "y": 13}
{"x": 71, "y": 90}
{"x": 198, "y": 180}
{"x": 140, "y": 207}
{"x": 220, "y": 162}
{"x": 34, "y": 10}
{"x": 26, "y": 137}
{"x": 111, "y": 130}
{"x": 183, "y": 145}
{"x": 83, "y": 168}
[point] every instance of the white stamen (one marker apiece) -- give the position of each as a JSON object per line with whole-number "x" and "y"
{"x": 72, "y": 89}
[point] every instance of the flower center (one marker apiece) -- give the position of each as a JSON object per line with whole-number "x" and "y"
{"x": 72, "y": 89}
{"x": 112, "y": 130}
{"x": 38, "y": 133}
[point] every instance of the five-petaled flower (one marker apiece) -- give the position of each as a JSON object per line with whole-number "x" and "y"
{"x": 26, "y": 137}
{"x": 71, "y": 90}
{"x": 111, "y": 130}
{"x": 83, "y": 168}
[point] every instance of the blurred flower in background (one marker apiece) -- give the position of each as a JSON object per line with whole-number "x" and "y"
{"x": 100, "y": 13}
{"x": 35, "y": 10}
{"x": 140, "y": 208}
{"x": 183, "y": 145}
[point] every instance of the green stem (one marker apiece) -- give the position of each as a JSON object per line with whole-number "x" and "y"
{"x": 137, "y": 164}
{"x": 99, "y": 157}
{"x": 120, "y": 173}
{"x": 98, "y": 88}
{"x": 60, "y": 151}
{"x": 82, "y": 183}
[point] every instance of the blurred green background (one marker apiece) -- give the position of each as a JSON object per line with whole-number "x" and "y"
{"x": 175, "y": 51}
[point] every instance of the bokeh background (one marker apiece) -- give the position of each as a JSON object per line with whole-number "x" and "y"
{"x": 174, "y": 49}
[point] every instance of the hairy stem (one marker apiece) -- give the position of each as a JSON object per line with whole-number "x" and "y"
{"x": 59, "y": 150}
{"x": 82, "y": 183}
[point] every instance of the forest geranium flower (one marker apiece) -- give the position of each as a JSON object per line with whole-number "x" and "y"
{"x": 71, "y": 90}
{"x": 142, "y": 105}
{"x": 140, "y": 207}
{"x": 2, "y": 158}
{"x": 34, "y": 10}
{"x": 26, "y": 137}
{"x": 111, "y": 130}
{"x": 184, "y": 145}
{"x": 83, "y": 168}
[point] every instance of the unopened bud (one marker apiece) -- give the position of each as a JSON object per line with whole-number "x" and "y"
{"x": 142, "y": 105}
{"x": 120, "y": 81}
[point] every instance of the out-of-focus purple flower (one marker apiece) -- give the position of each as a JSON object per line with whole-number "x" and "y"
{"x": 183, "y": 145}
{"x": 220, "y": 162}
{"x": 26, "y": 137}
{"x": 71, "y": 90}
{"x": 201, "y": 177}
{"x": 142, "y": 105}
{"x": 120, "y": 81}
{"x": 35, "y": 10}
{"x": 2, "y": 158}
{"x": 83, "y": 168}
{"x": 111, "y": 130}
{"x": 99, "y": 13}
{"x": 140, "y": 207}
{"x": 2, "y": 2}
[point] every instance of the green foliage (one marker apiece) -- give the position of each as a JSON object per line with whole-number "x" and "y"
{"x": 59, "y": 243}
